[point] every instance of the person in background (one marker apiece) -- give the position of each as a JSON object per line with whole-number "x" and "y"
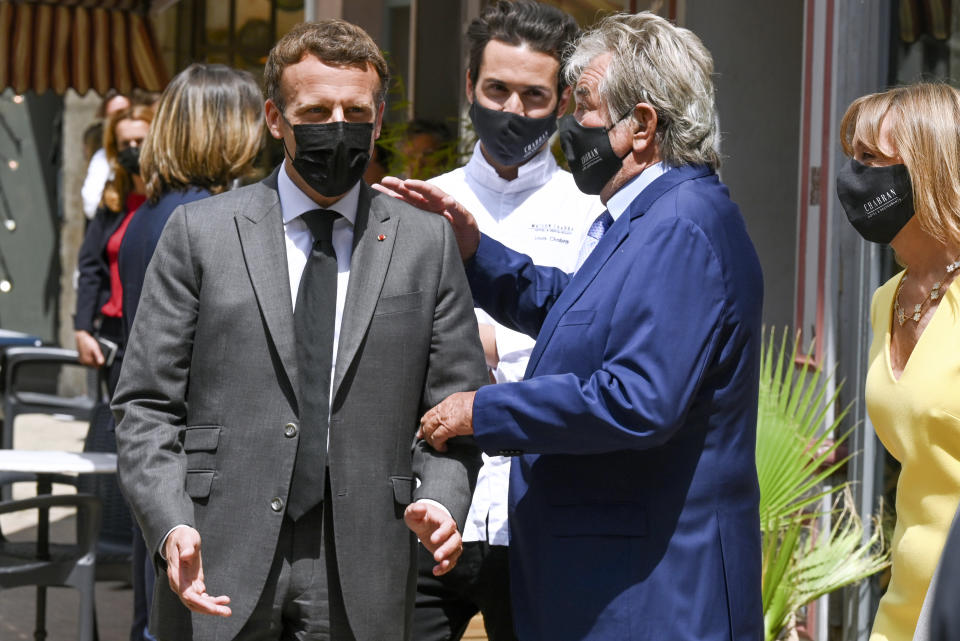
{"x": 98, "y": 322}
{"x": 634, "y": 501}
{"x": 519, "y": 196}
{"x": 901, "y": 188}
{"x": 99, "y": 311}
{"x": 98, "y": 169}
{"x": 92, "y": 143}
{"x": 206, "y": 133}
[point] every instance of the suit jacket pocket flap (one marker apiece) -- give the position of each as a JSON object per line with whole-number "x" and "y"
{"x": 577, "y": 317}
{"x": 402, "y": 489}
{"x": 399, "y": 303}
{"x": 201, "y": 439}
{"x": 198, "y": 483}
{"x": 599, "y": 519}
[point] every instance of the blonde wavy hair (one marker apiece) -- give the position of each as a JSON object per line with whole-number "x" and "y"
{"x": 926, "y": 133}
{"x": 117, "y": 188}
{"x": 207, "y": 132}
{"x": 665, "y": 66}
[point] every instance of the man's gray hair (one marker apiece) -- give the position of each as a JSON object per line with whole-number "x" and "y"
{"x": 665, "y": 66}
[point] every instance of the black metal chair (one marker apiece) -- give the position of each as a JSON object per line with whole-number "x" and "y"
{"x": 30, "y": 375}
{"x": 10, "y": 338}
{"x": 30, "y": 386}
{"x": 43, "y": 564}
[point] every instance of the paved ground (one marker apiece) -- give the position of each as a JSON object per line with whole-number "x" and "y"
{"x": 17, "y": 606}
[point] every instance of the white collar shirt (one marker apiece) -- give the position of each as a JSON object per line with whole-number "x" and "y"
{"x": 299, "y": 240}
{"x": 620, "y": 201}
{"x": 540, "y": 213}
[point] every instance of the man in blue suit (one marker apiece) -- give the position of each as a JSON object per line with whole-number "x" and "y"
{"x": 634, "y": 498}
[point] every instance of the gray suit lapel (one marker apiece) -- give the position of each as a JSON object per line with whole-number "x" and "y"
{"x": 262, "y": 239}
{"x": 368, "y": 269}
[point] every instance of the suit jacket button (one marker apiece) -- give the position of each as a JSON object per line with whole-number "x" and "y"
{"x": 276, "y": 504}
{"x": 290, "y": 430}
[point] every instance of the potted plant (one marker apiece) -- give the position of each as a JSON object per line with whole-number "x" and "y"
{"x": 797, "y": 453}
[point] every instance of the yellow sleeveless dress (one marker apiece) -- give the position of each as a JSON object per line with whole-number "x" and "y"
{"x": 918, "y": 420}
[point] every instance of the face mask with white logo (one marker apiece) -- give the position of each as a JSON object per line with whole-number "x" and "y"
{"x": 509, "y": 138}
{"x": 591, "y": 158}
{"x": 878, "y": 201}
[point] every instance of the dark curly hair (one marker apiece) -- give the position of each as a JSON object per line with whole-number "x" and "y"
{"x": 541, "y": 27}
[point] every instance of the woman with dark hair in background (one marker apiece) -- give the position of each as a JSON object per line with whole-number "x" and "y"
{"x": 98, "y": 169}
{"x": 98, "y": 322}
{"x": 99, "y": 308}
{"x": 207, "y": 132}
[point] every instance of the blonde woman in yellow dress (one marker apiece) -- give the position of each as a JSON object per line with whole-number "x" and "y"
{"x": 902, "y": 187}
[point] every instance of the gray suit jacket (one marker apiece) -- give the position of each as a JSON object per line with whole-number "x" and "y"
{"x": 209, "y": 383}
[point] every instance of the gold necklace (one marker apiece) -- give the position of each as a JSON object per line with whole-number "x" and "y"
{"x": 931, "y": 296}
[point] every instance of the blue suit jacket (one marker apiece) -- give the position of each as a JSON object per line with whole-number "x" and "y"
{"x": 139, "y": 242}
{"x": 634, "y": 500}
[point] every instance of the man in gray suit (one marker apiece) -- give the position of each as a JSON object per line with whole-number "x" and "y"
{"x": 289, "y": 337}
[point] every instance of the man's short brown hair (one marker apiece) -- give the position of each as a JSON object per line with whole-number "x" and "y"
{"x": 333, "y": 41}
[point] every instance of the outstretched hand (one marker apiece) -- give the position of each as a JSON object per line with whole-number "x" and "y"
{"x": 423, "y": 195}
{"x": 437, "y": 532}
{"x": 185, "y": 573}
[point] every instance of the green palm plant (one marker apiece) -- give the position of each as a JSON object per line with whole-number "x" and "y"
{"x": 795, "y": 460}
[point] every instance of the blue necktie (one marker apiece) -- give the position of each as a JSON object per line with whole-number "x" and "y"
{"x": 594, "y": 234}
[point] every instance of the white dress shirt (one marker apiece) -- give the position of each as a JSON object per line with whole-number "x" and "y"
{"x": 98, "y": 173}
{"x": 540, "y": 213}
{"x": 299, "y": 241}
{"x": 619, "y": 202}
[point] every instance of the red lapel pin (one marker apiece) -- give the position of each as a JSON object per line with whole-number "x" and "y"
{"x": 381, "y": 238}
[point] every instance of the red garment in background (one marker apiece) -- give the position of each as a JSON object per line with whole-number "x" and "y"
{"x": 114, "y": 306}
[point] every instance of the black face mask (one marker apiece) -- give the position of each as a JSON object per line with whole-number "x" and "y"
{"x": 878, "y": 200}
{"x": 129, "y": 159}
{"x": 589, "y": 154}
{"x": 509, "y": 138}
{"x": 331, "y": 157}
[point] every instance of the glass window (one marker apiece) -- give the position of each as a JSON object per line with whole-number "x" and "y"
{"x": 238, "y": 33}
{"x": 926, "y": 39}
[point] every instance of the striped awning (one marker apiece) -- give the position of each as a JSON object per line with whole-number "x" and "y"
{"x": 79, "y": 44}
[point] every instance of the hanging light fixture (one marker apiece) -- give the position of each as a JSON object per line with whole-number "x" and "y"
{"x": 6, "y": 214}
{"x": 6, "y": 280}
